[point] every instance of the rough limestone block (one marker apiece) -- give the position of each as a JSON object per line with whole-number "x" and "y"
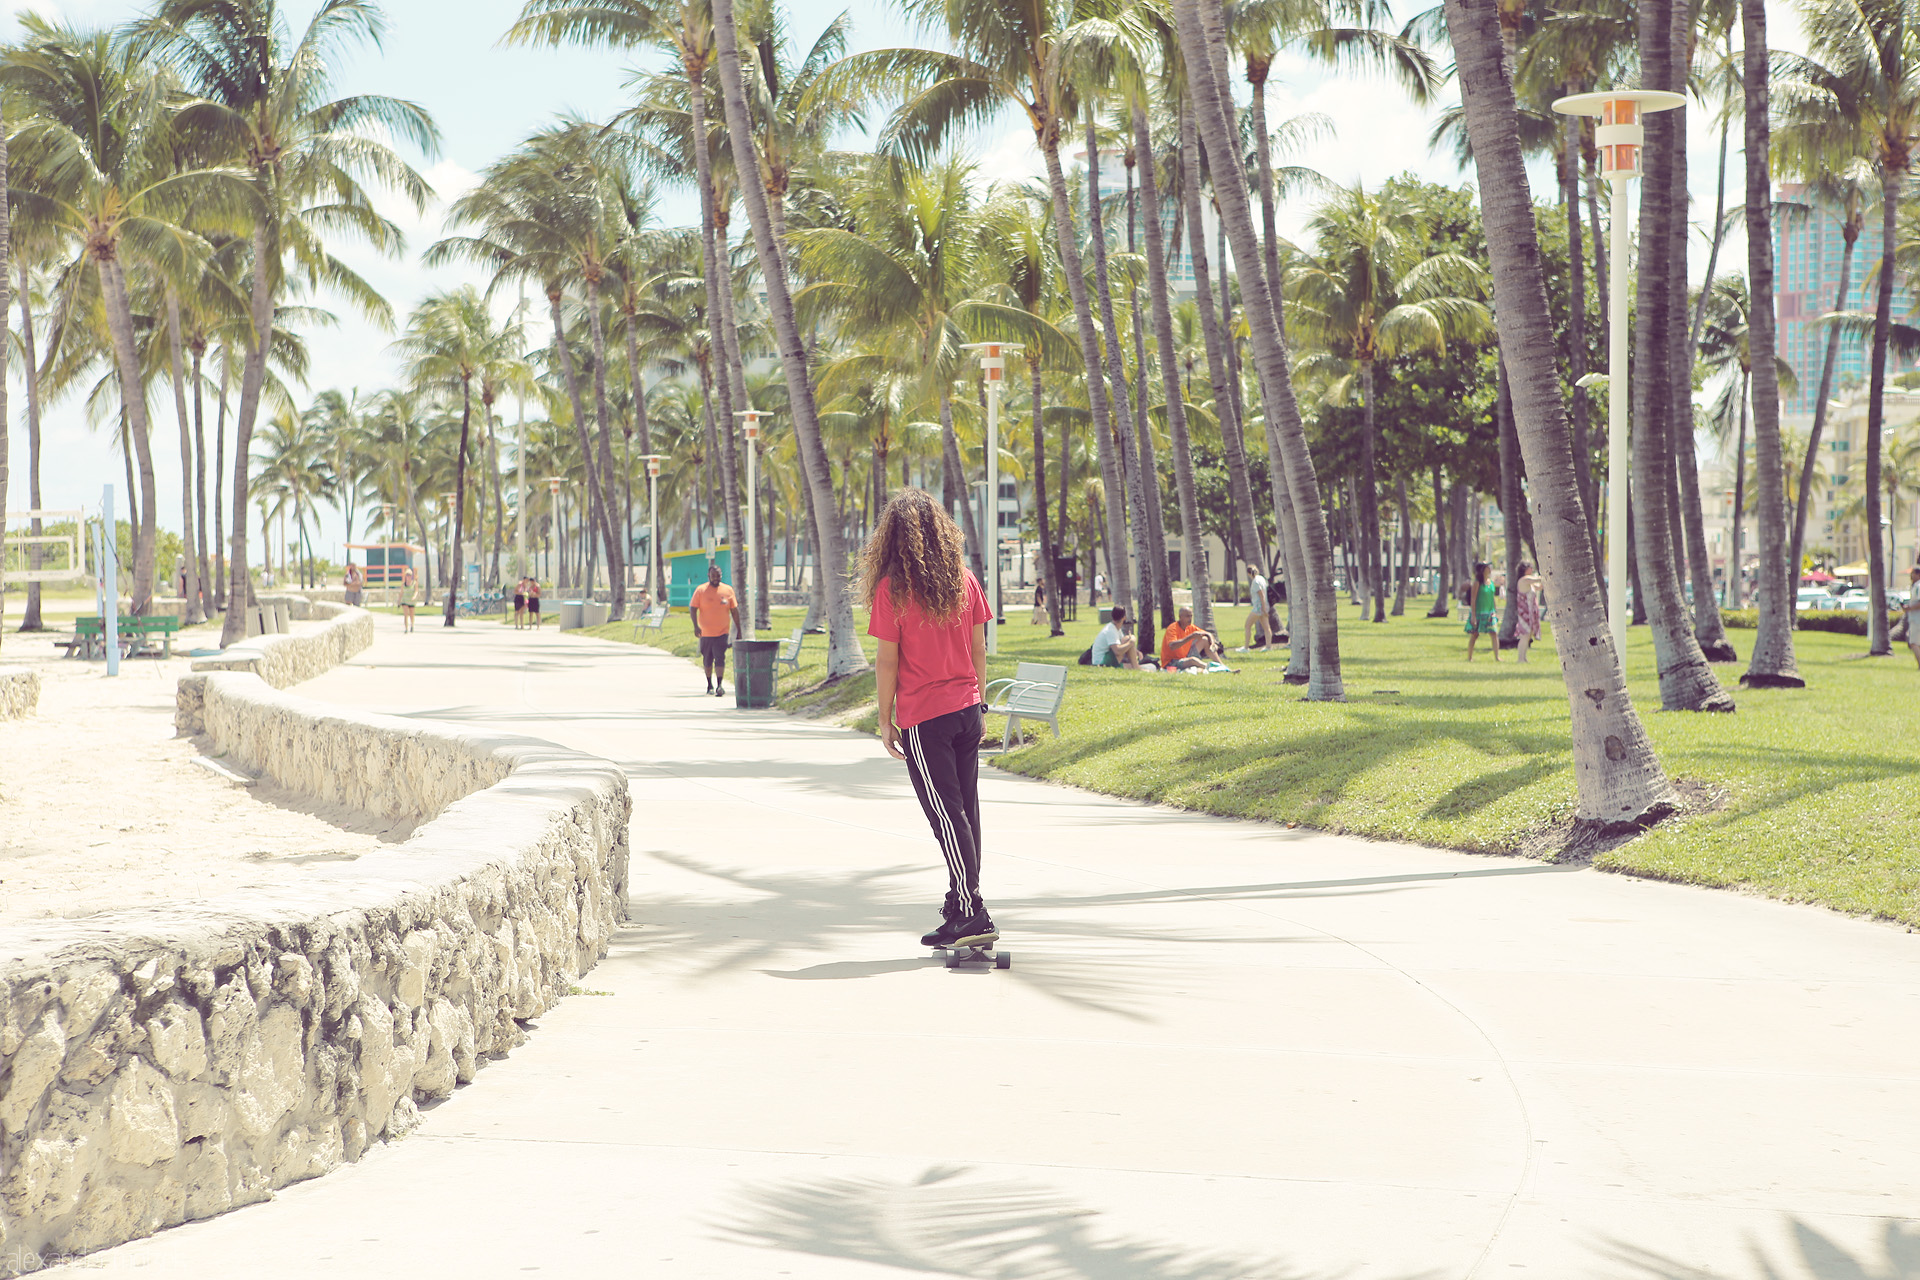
{"x": 19, "y": 692}
{"x": 143, "y": 1127}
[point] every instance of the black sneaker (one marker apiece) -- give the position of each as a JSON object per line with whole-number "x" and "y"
{"x": 719, "y": 691}
{"x": 974, "y": 930}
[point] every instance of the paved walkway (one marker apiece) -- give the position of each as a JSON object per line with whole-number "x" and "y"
{"x": 1225, "y": 1051}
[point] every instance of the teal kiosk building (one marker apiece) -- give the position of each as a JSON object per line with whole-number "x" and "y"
{"x": 687, "y": 570}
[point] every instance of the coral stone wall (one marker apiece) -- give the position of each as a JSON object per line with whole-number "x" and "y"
{"x": 284, "y": 660}
{"x": 160, "y": 1065}
{"x": 19, "y": 692}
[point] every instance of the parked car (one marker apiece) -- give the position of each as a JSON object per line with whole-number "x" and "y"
{"x": 1813, "y": 598}
{"x": 1854, "y": 602}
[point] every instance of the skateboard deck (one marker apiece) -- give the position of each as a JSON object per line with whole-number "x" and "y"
{"x": 979, "y": 950}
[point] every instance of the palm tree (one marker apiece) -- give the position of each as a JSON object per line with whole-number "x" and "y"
{"x": 1620, "y": 782}
{"x": 1019, "y": 54}
{"x": 1203, "y": 48}
{"x": 1169, "y": 357}
{"x": 1373, "y": 292}
{"x": 1687, "y": 681}
{"x": 264, "y": 98}
{"x": 540, "y": 214}
{"x": 909, "y": 266}
{"x": 844, "y": 655}
{"x": 1773, "y": 665}
{"x": 96, "y": 139}
{"x": 450, "y": 342}
{"x": 1857, "y": 93}
{"x": 1837, "y": 186}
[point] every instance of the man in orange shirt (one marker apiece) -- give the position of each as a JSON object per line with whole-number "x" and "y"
{"x": 1185, "y": 645}
{"x": 715, "y": 613}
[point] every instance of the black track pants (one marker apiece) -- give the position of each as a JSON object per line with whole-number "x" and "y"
{"x": 943, "y": 759}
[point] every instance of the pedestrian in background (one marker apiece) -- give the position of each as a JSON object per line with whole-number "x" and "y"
{"x": 1482, "y": 609}
{"x": 716, "y": 621}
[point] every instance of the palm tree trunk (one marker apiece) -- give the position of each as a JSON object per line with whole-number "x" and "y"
{"x": 718, "y": 278}
{"x": 1369, "y": 487}
{"x": 1620, "y": 783}
{"x": 1159, "y": 586}
{"x": 1049, "y": 560}
{"x": 1196, "y": 566}
{"x": 1796, "y": 550}
{"x": 1735, "y": 596}
{"x": 1068, "y": 241}
{"x": 1116, "y": 457}
{"x": 734, "y": 367}
{"x": 31, "y": 622}
{"x": 1232, "y": 440}
{"x": 1878, "y": 641}
{"x": 1406, "y": 547}
{"x": 6, "y": 345}
{"x": 1687, "y": 682}
{"x": 844, "y": 655}
{"x": 207, "y": 581}
{"x": 616, "y": 554}
{"x": 1443, "y": 546}
{"x": 220, "y": 560}
{"x": 177, "y": 369}
{"x": 252, "y": 379}
{"x": 133, "y": 399}
{"x": 1311, "y": 580}
{"x": 1577, "y": 324}
{"x": 454, "y": 554}
{"x": 956, "y": 480}
{"x": 593, "y": 515}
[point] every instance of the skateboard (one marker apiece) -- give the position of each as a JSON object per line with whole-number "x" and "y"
{"x": 977, "y": 950}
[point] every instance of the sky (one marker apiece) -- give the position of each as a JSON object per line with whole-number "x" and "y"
{"x": 444, "y": 54}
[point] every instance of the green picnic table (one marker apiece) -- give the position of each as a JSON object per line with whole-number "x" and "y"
{"x": 89, "y": 632}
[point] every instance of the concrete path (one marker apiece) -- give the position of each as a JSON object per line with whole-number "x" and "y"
{"x": 1225, "y": 1051}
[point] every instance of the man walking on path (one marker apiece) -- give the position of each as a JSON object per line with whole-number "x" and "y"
{"x": 929, "y": 615}
{"x": 716, "y": 620}
{"x": 1256, "y": 612}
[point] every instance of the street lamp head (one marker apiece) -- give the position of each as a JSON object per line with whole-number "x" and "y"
{"x": 554, "y": 483}
{"x": 1620, "y": 135}
{"x": 750, "y": 423}
{"x": 993, "y": 358}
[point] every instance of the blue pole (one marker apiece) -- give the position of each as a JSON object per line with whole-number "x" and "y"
{"x": 110, "y": 580}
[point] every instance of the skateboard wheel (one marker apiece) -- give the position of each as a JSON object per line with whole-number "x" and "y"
{"x": 1003, "y": 960}
{"x": 953, "y": 961}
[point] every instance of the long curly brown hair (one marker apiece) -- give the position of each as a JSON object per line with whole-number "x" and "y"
{"x": 916, "y": 549}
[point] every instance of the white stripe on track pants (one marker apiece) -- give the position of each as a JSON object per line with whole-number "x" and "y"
{"x": 943, "y": 759}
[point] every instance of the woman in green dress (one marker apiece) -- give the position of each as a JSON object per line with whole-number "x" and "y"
{"x": 1483, "y": 609}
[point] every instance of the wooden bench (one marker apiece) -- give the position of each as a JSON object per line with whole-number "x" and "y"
{"x": 136, "y": 635}
{"x": 654, "y": 620}
{"x": 1034, "y": 693}
{"x": 789, "y": 655}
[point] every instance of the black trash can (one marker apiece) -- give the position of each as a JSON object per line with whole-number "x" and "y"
{"x": 753, "y": 673}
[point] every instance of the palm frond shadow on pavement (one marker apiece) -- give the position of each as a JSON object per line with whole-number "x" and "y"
{"x": 952, "y": 1223}
{"x": 1814, "y": 1254}
{"x": 765, "y": 920}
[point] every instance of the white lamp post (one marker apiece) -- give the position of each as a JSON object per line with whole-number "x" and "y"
{"x": 1620, "y": 137}
{"x": 750, "y": 424}
{"x": 993, "y": 367}
{"x": 553, "y": 520}
{"x": 653, "y": 525}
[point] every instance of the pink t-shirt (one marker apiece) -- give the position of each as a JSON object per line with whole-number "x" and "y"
{"x": 936, "y": 659}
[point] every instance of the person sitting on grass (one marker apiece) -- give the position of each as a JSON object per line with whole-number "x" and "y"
{"x": 1482, "y": 612}
{"x": 1185, "y": 646}
{"x": 1113, "y": 647}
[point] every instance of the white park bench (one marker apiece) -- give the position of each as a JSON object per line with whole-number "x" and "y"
{"x": 789, "y": 655}
{"x": 1035, "y": 693}
{"x": 652, "y": 620}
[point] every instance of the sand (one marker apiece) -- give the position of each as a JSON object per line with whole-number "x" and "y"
{"x": 102, "y": 807}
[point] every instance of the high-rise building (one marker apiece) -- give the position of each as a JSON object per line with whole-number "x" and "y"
{"x": 1807, "y": 245}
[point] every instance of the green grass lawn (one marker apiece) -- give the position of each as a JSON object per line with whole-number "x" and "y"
{"x": 1822, "y": 784}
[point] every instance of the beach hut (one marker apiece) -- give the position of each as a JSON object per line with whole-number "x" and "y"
{"x": 383, "y": 561}
{"x": 688, "y": 569}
